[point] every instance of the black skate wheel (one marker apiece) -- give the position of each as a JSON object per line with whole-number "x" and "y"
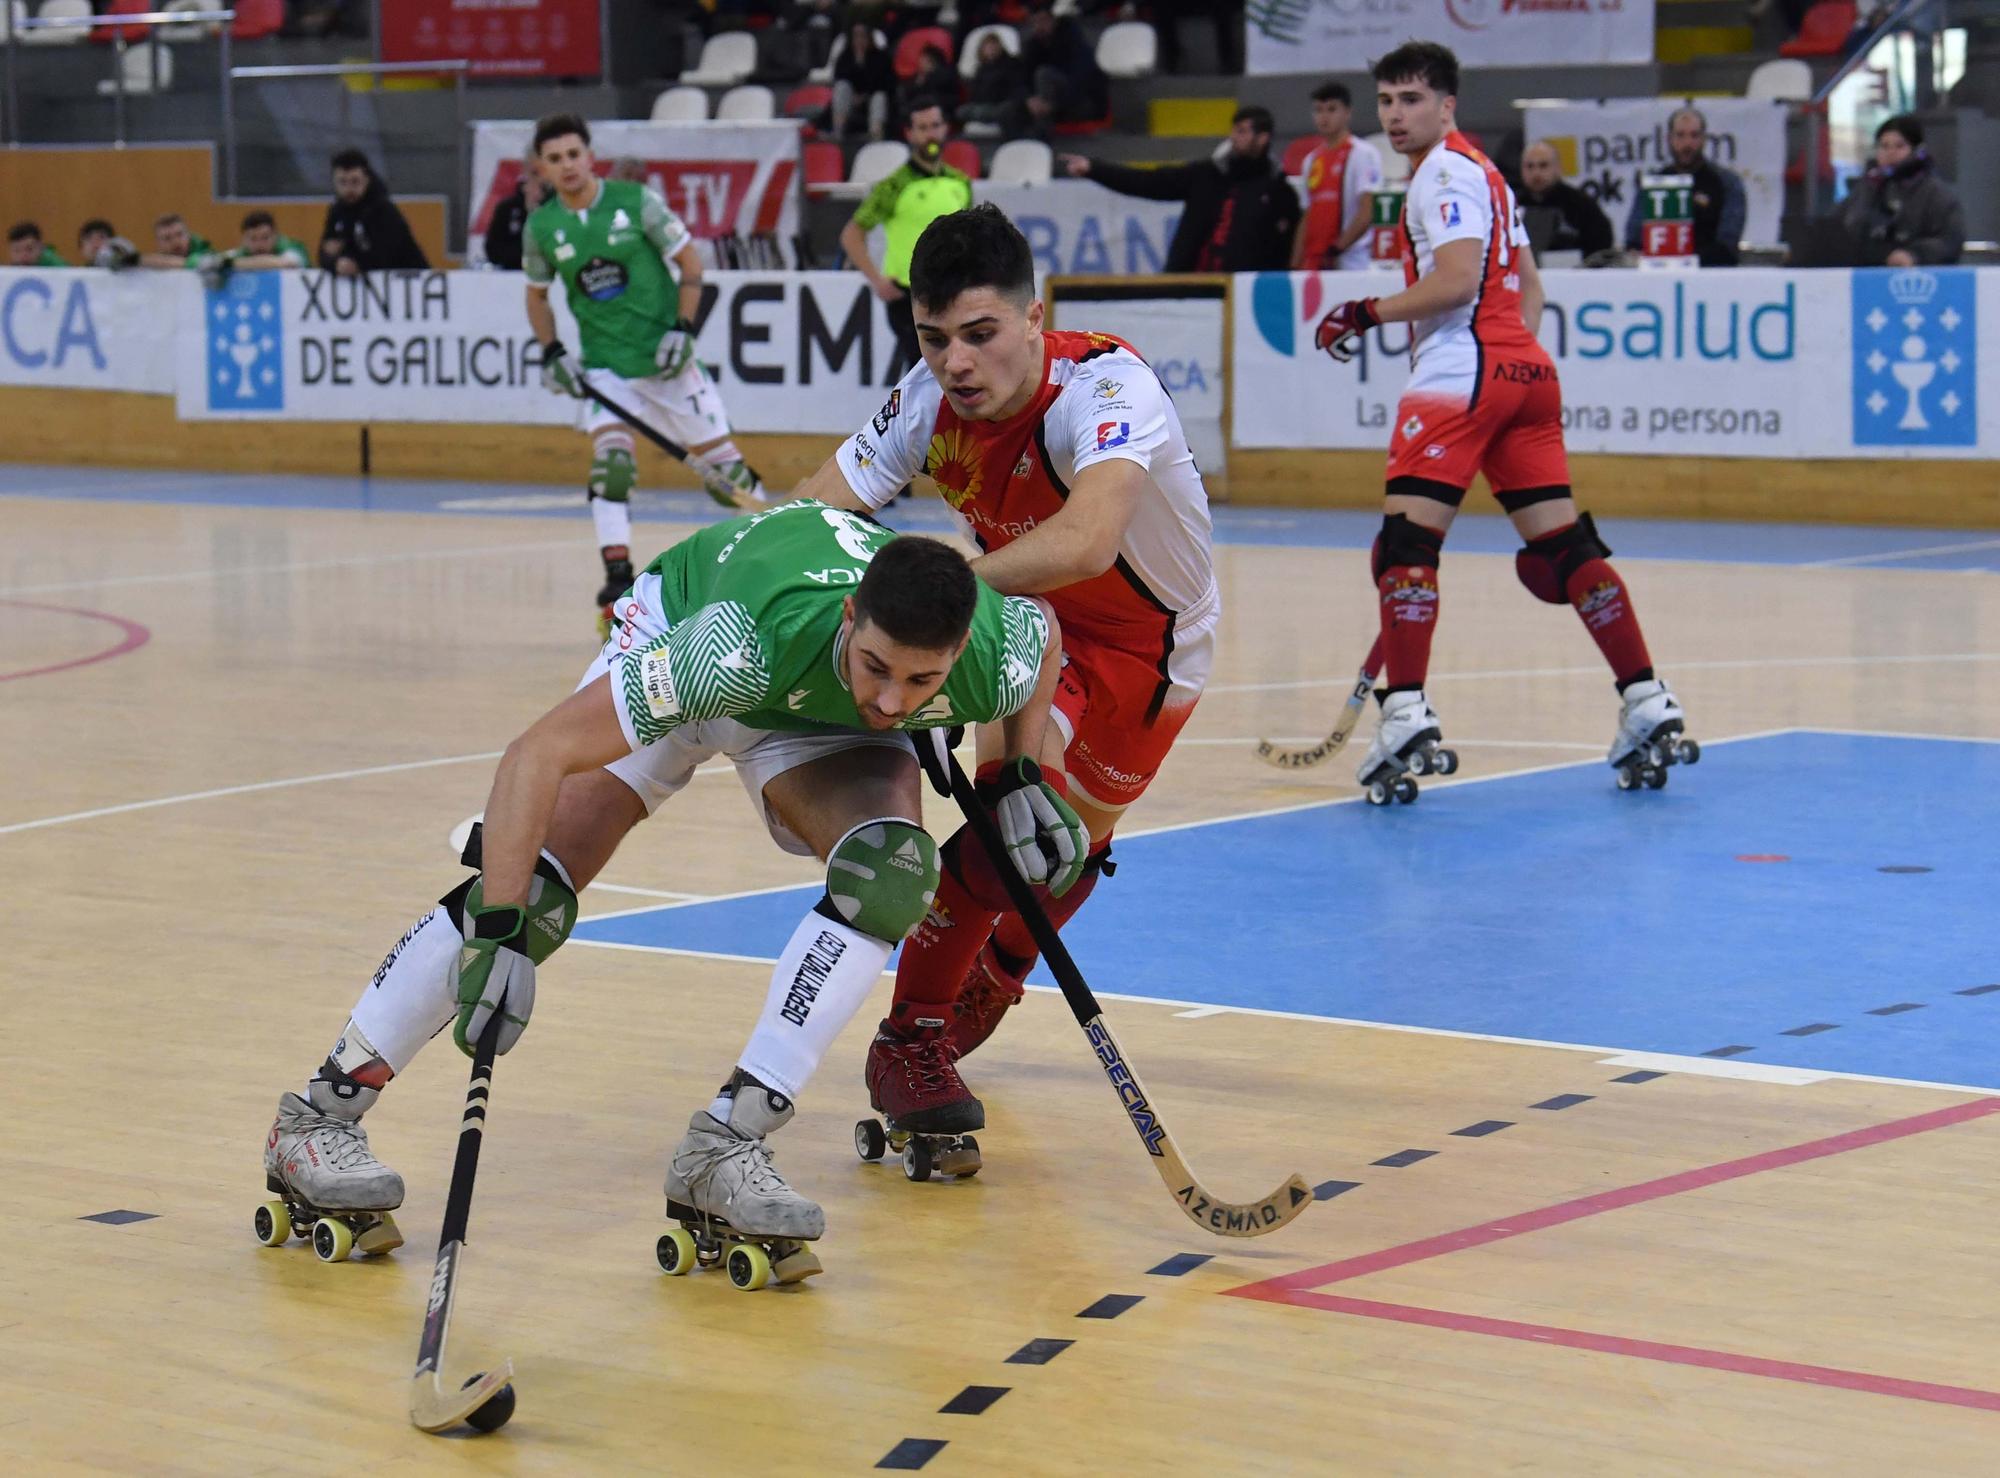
{"x": 497, "y": 1411}
{"x": 1406, "y": 789}
{"x": 917, "y": 1158}
{"x": 1378, "y": 794}
{"x": 1419, "y": 762}
{"x": 1690, "y": 752}
{"x": 1445, "y": 762}
{"x": 1655, "y": 777}
{"x": 1628, "y": 778}
{"x": 870, "y": 1143}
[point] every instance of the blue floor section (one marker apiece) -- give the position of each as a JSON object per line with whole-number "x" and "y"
{"x": 1551, "y": 906}
{"x": 1474, "y": 533}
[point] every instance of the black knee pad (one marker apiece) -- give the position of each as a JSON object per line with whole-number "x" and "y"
{"x": 1405, "y": 542}
{"x": 1544, "y": 565}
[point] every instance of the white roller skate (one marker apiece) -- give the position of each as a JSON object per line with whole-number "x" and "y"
{"x": 329, "y": 1186}
{"x": 1649, "y": 737}
{"x": 732, "y": 1205}
{"x": 1405, "y": 745}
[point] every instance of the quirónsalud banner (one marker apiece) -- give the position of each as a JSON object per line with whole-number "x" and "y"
{"x": 1319, "y": 36}
{"x": 1746, "y": 363}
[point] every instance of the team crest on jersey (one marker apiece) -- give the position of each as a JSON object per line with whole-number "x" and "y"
{"x": 1449, "y": 211}
{"x": 1108, "y": 389}
{"x": 601, "y": 279}
{"x": 1113, "y": 433}
{"x": 1412, "y": 427}
{"x": 1023, "y": 467}
{"x": 953, "y": 464}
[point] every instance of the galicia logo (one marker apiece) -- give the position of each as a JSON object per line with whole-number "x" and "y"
{"x": 1916, "y": 357}
{"x": 246, "y": 343}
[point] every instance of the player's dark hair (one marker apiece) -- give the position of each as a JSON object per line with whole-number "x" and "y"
{"x": 171, "y": 218}
{"x": 919, "y": 592}
{"x": 559, "y": 125}
{"x": 95, "y": 223}
{"x": 1906, "y": 126}
{"x": 352, "y": 159}
{"x": 1333, "y": 92}
{"x": 921, "y": 102}
{"x": 22, "y": 230}
{"x": 1257, "y": 116}
{"x": 972, "y": 248}
{"x": 258, "y": 218}
{"x": 1421, "y": 61}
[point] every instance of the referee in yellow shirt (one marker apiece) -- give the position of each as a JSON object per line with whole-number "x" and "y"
{"x": 918, "y": 193}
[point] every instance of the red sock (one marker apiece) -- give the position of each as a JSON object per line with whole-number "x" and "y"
{"x": 1409, "y": 619}
{"x": 1010, "y": 935}
{"x": 937, "y": 956}
{"x": 1601, "y": 600}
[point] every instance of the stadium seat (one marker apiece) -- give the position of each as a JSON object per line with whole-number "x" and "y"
{"x": 824, "y": 72}
{"x": 876, "y": 161}
{"x": 1128, "y": 49}
{"x": 136, "y": 63}
{"x": 1783, "y": 79}
{"x": 962, "y": 156}
{"x": 11, "y": 11}
{"x": 824, "y": 166}
{"x": 256, "y": 19}
{"x": 910, "y": 48}
{"x": 1022, "y": 162}
{"x": 1824, "y": 30}
{"x": 65, "y": 36}
{"x": 681, "y": 105}
{"x": 189, "y": 32}
{"x": 749, "y": 103}
{"x": 1297, "y": 151}
{"x": 968, "y": 56}
{"x": 725, "y": 60}
{"x": 808, "y": 101}
{"x": 103, "y": 35}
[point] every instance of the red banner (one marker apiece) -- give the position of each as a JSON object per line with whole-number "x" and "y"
{"x": 501, "y": 38}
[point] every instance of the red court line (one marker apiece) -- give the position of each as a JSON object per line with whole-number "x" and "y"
{"x": 134, "y": 636}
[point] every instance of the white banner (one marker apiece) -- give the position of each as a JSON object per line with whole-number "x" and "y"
{"x": 1744, "y": 363}
{"x": 1605, "y": 146}
{"x": 1182, "y": 338}
{"x": 721, "y": 178}
{"x": 1345, "y": 35}
{"x": 89, "y": 330}
{"x": 792, "y": 351}
{"x": 1076, "y": 227}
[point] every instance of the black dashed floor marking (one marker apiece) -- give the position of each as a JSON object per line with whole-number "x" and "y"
{"x": 1039, "y": 1351}
{"x": 1326, "y": 1190}
{"x": 1180, "y": 1263}
{"x": 1563, "y": 1101}
{"x": 1903, "y": 869}
{"x": 1644, "y": 1075}
{"x": 1812, "y": 1029}
{"x": 972, "y": 1401}
{"x": 1111, "y": 1306}
{"x": 1898, "y": 1009}
{"x": 1404, "y": 1157}
{"x": 1483, "y": 1128}
{"x": 1736, "y": 1051}
{"x": 119, "y": 1218}
{"x": 912, "y": 1453}
{"x": 1977, "y": 990}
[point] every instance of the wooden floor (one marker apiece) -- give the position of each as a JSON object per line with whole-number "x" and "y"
{"x": 319, "y": 702}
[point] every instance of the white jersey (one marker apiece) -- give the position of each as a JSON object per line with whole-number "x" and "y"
{"x": 1332, "y": 183}
{"x": 1099, "y": 401}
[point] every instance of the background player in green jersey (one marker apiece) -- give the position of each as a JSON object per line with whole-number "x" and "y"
{"x": 802, "y": 643}
{"x": 632, "y": 279}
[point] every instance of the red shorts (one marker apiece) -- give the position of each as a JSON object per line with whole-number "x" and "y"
{"x": 1120, "y": 707}
{"x": 1512, "y": 431}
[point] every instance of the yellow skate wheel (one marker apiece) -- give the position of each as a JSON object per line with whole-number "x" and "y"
{"x": 676, "y": 1252}
{"x": 749, "y": 1266}
{"x": 273, "y": 1223}
{"x": 333, "y": 1241}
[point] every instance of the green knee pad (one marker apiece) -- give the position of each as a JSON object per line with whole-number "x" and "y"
{"x": 882, "y": 876}
{"x": 551, "y": 903}
{"x": 613, "y": 475}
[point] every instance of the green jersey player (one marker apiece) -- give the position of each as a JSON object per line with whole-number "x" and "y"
{"x": 803, "y": 643}
{"x": 632, "y": 279}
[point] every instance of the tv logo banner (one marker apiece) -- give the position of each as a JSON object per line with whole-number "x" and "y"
{"x": 89, "y": 330}
{"x": 1336, "y": 35}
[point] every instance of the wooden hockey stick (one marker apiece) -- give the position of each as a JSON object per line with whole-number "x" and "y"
{"x": 1344, "y": 723}
{"x": 487, "y": 1399}
{"x": 664, "y": 442}
{"x": 1224, "y": 1218}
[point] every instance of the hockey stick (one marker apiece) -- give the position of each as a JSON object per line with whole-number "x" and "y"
{"x": 486, "y": 1400}
{"x": 1343, "y": 725}
{"x": 665, "y": 443}
{"x": 1224, "y": 1218}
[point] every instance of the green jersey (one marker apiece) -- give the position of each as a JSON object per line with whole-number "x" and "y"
{"x": 612, "y": 257}
{"x": 904, "y": 204}
{"x": 49, "y": 258}
{"x": 753, "y": 610}
{"x": 293, "y": 251}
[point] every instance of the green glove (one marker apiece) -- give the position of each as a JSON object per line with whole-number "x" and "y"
{"x": 494, "y": 973}
{"x": 1046, "y": 839}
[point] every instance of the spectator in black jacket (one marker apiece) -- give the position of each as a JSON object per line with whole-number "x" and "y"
{"x": 1241, "y": 211}
{"x": 364, "y": 230}
{"x": 936, "y": 81}
{"x": 1065, "y": 83}
{"x": 998, "y": 100}
{"x": 1901, "y": 213}
{"x": 510, "y": 218}
{"x": 1581, "y": 225}
{"x": 864, "y": 84}
{"x": 1720, "y": 206}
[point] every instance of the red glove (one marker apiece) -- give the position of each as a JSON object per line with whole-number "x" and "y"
{"x": 1340, "y": 332}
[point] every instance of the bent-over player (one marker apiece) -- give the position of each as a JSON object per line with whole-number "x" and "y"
{"x": 1482, "y": 397}
{"x": 800, "y": 643}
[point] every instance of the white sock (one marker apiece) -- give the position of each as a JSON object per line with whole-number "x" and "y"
{"x": 823, "y": 976}
{"x": 613, "y": 520}
{"x": 411, "y": 999}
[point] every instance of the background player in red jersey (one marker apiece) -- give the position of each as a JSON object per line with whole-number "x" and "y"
{"x": 1482, "y": 397}
{"x": 1066, "y": 459}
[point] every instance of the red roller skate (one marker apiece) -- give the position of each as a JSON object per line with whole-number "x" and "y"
{"x": 926, "y": 1108}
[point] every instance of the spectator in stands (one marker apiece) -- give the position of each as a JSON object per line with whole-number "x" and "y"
{"x": 1065, "y": 84}
{"x": 997, "y": 104}
{"x": 864, "y": 83}
{"x": 25, "y": 247}
{"x": 1241, "y": 211}
{"x": 1580, "y": 224}
{"x": 364, "y": 230}
{"x": 94, "y": 235}
{"x": 510, "y": 217}
{"x": 923, "y": 188}
{"x": 1719, "y": 202}
{"x": 1340, "y": 178}
{"x": 1901, "y": 213}
{"x": 936, "y": 79}
{"x": 266, "y": 249}
{"x": 175, "y": 246}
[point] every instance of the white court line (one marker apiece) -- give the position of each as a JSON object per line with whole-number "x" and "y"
{"x": 1898, "y": 734}
{"x": 1453, "y": 742}
{"x": 1597, "y": 670}
{"x": 595, "y": 887}
{"x": 1863, "y": 559}
{"x": 175, "y": 577}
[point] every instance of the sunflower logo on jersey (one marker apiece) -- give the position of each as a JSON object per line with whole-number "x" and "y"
{"x": 953, "y": 464}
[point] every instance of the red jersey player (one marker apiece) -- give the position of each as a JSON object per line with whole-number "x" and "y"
{"x": 1065, "y": 458}
{"x": 1482, "y": 397}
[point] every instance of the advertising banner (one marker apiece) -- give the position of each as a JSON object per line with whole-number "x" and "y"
{"x": 89, "y": 330}
{"x": 1745, "y": 363}
{"x": 1077, "y": 227}
{"x": 501, "y": 38}
{"x": 723, "y": 179}
{"x": 1346, "y": 35}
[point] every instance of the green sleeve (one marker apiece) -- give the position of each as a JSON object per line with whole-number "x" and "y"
{"x": 50, "y": 257}
{"x": 667, "y": 231}
{"x": 996, "y": 674}
{"x": 532, "y": 261}
{"x": 880, "y": 203}
{"x": 295, "y": 250}
{"x": 711, "y": 665}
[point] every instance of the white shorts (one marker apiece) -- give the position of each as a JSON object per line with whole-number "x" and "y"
{"x": 659, "y": 770}
{"x": 687, "y": 409}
